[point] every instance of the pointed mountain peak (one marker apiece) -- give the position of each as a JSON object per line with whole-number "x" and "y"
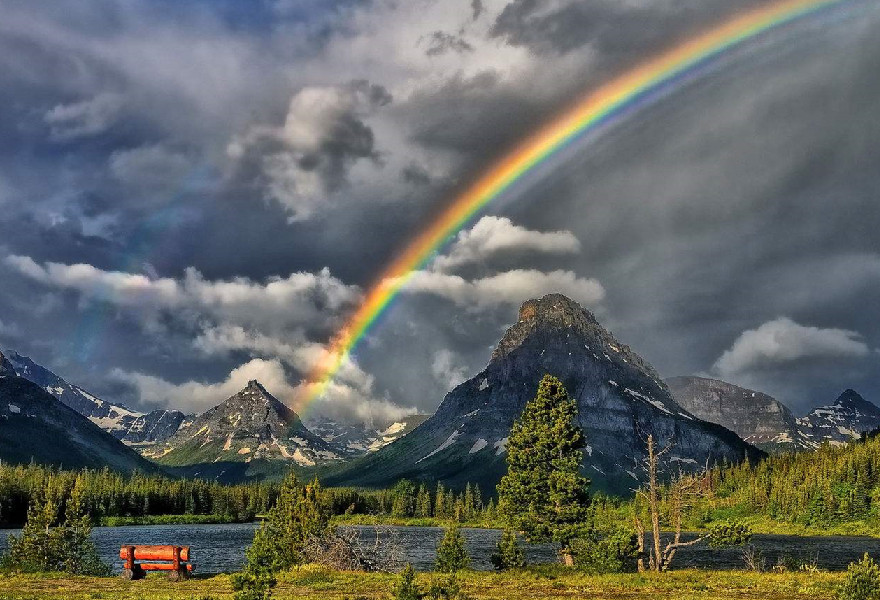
{"x": 556, "y": 310}
{"x": 852, "y": 399}
{"x": 254, "y": 396}
{"x": 255, "y": 386}
{"x": 548, "y": 315}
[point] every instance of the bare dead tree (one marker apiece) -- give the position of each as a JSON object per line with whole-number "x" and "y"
{"x": 683, "y": 491}
{"x": 346, "y": 550}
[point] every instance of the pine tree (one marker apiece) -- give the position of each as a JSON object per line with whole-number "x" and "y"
{"x": 405, "y": 587}
{"x": 440, "y": 502}
{"x": 279, "y": 542}
{"x": 508, "y": 554}
{"x": 452, "y": 555}
{"x": 468, "y": 502}
{"x": 404, "y": 499}
{"x": 423, "y": 502}
{"x": 543, "y": 495}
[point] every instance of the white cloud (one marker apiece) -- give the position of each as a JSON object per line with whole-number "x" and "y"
{"x": 492, "y": 236}
{"x": 345, "y": 402}
{"x": 304, "y": 161}
{"x": 783, "y": 341}
{"x": 447, "y": 370}
{"x": 83, "y": 119}
{"x": 298, "y": 300}
{"x": 349, "y": 397}
{"x": 508, "y": 288}
{"x": 196, "y": 396}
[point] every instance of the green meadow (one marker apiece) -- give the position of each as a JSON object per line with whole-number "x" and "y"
{"x": 316, "y": 583}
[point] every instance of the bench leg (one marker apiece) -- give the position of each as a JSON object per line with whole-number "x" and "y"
{"x": 180, "y": 574}
{"x": 133, "y": 574}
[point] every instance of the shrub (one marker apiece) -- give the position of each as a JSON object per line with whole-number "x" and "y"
{"x": 448, "y": 588}
{"x": 612, "y": 551}
{"x": 729, "y": 533}
{"x": 42, "y": 547}
{"x": 405, "y": 588}
{"x": 452, "y": 555}
{"x": 508, "y": 553}
{"x": 253, "y": 584}
{"x": 862, "y": 581}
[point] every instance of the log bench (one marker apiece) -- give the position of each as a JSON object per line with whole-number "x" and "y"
{"x": 176, "y": 561}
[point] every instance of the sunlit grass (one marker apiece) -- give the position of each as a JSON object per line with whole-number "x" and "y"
{"x": 316, "y": 583}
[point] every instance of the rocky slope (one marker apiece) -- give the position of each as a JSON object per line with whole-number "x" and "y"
{"x": 620, "y": 396}
{"x": 251, "y": 425}
{"x": 357, "y": 439}
{"x": 756, "y": 417}
{"x": 35, "y": 426}
{"x": 846, "y": 419}
{"x": 155, "y": 427}
{"x": 113, "y": 418}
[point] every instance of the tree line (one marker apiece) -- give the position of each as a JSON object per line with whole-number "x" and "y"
{"x": 831, "y": 485}
{"x": 104, "y": 493}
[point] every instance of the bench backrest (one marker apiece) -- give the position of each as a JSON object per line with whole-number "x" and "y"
{"x": 149, "y": 552}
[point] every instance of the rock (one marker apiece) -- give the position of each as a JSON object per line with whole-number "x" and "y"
{"x": 756, "y": 417}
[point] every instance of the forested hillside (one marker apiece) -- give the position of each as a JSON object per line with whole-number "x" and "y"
{"x": 833, "y": 484}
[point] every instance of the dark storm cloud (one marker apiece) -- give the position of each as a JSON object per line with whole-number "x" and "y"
{"x": 147, "y": 140}
{"x": 477, "y": 8}
{"x": 440, "y": 42}
{"x": 610, "y": 27}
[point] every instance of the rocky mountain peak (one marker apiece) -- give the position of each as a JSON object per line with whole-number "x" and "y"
{"x": 549, "y": 314}
{"x": 556, "y": 317}
{"x": 5, "y": 366}
{"x": 851, "y": 399}
{"x": 849, "y": 416}
{"x": 756, "y": 417}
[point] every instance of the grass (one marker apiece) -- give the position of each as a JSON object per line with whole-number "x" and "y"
{"x": 551, "y": 582}
{"x": 167, "y": 520}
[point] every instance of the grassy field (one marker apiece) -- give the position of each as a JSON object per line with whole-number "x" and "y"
{"x": 316, "y": 583}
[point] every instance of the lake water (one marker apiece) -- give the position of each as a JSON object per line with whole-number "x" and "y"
{"x": 220, "y": 548}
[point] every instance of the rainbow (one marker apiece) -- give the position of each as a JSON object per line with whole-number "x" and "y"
{"x": 599, "y": 108}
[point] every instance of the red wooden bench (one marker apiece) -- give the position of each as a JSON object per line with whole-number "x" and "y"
{"x": 176, "y": 561}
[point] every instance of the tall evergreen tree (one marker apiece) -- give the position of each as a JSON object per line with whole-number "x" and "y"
{"x": 543, "y": 495}
{"x": 423, "y": 502}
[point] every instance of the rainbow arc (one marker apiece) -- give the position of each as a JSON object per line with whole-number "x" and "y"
{"x": 600, "y": 107}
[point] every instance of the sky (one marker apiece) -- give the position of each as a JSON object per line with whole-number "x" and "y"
{"x": 193, "y": 195}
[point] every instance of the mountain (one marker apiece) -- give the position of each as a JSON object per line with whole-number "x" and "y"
{"x": 756, "y": 417}
{"x": 156, "y": 426}
{"x": 113, "y": 418}
{"x": 621, "y": 400}
{"x": 358, "y": 439}
{"x": 34, "y": 425}
{"x": 251, "y": 425}
{"x": 849, "y": 416}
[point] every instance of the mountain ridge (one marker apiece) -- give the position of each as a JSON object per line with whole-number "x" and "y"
{"x": 35, "y": 425}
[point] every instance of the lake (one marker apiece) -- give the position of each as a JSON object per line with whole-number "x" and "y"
{"x": 220, "y": 548}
